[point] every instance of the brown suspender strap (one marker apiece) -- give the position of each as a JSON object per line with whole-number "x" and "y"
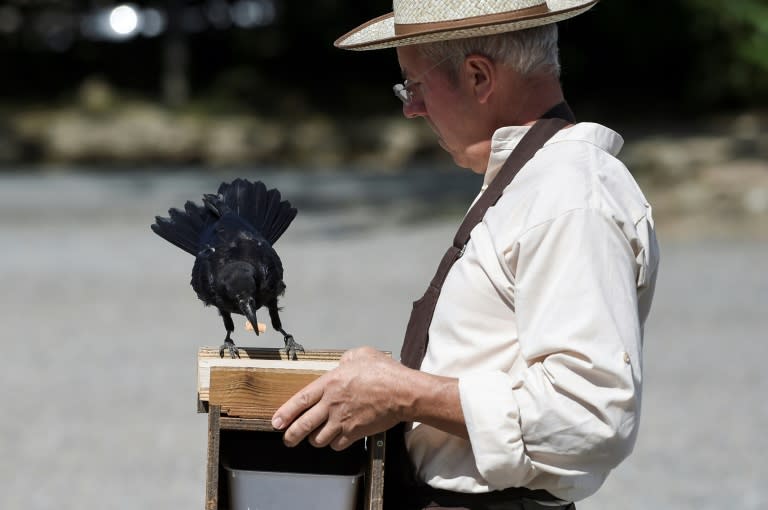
{"x": 417, "y": 333}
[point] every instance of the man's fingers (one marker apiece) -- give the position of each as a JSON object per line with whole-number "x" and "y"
{"x": 297, "y": 404}
{"x": 323, "y": 435}
{"x": 305, "y": 425}
{"x": 341, "y": 442}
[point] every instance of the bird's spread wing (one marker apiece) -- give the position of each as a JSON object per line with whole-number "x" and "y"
{"x": 185, "y": 229}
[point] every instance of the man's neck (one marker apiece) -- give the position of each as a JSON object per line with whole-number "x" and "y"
{"x": 529, "y": 98}
{"x": 519, "y": 101}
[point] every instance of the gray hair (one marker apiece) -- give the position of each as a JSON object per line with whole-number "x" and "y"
{"x": 529, "y": 51}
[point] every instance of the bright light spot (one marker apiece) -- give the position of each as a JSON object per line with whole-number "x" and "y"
{"x": 124, "y": 20}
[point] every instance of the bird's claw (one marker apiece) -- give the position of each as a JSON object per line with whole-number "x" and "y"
{"x": 231, "y": 348}
{"x": 292, "y": 347}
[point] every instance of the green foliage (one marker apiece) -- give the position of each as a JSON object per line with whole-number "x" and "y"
{"x": 732, "y": 36}
{"x": 743, "y": 22}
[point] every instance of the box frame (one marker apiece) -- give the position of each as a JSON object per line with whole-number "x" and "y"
{"x": 229, "y": 417}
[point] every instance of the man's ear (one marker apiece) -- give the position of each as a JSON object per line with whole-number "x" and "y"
{"x": 480, "y": 72}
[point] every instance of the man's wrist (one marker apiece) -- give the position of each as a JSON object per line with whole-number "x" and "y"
{"x": 433, "y": 400}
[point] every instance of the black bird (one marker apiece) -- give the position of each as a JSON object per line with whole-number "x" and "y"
{"x": 231, "y": 236}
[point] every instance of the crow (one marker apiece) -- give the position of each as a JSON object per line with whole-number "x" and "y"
{"x": 236, "y": 267}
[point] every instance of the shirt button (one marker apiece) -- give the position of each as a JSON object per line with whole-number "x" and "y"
{"x": 626, "y": 358}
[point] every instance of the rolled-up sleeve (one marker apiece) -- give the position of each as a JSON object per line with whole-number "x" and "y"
{"x": 573, "y": 411}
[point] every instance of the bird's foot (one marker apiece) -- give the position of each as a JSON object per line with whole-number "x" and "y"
{"x": 229, "y": 346}
{"x": 291, "y": 347}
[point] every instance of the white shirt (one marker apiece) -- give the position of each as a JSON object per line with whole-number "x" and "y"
{"x": 541, "y": 320}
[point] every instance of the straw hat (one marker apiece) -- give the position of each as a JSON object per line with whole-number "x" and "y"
{"x": 424, "y": 21}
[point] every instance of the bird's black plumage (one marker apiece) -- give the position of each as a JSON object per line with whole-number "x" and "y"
{"x": 231, "y": 236}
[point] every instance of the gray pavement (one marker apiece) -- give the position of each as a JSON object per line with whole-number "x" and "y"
{"x": 100, "y": 331}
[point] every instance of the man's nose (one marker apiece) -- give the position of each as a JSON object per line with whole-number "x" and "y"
{"x": 414, "y": 108}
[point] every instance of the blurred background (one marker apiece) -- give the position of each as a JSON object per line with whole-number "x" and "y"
{"x": 111, "y": 113}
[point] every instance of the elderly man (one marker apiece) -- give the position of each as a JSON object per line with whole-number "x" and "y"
{"x": 520, "y": 377}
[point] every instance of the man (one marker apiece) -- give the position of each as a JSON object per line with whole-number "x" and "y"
{"x": 520, "y": 379}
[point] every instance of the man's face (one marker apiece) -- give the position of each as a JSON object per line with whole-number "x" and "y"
{"x": 449, "y": 108}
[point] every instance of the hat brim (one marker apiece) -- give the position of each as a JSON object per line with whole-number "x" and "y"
{"x": 379, "y": 33}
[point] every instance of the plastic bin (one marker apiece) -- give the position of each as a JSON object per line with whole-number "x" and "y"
{"x": 266, "y": 490}
{"x": 261, "y": 473}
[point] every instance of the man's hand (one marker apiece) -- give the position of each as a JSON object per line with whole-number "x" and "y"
{"x": 367, "y": 393}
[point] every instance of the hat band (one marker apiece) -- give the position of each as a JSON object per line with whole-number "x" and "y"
{"x": 486, "y": 19}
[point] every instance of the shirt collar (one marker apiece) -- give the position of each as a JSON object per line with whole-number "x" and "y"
{"x": 505, "y": 139}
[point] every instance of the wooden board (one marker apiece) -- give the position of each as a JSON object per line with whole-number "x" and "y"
{"x": 374, "y": 474}
{"x": 316, "y": 361}
{"x": 254, "y": 392}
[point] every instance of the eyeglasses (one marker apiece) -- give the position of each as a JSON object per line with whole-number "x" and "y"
{"x": 403, "y": 90}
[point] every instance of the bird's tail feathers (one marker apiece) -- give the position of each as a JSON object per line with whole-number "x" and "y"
{"x": 215, "y": 204}
{"x": 262, "y": 208}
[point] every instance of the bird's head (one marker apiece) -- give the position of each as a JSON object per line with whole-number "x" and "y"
{"x": 242, "y": 283}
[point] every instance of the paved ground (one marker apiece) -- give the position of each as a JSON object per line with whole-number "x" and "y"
{"x": 100, "y": 333}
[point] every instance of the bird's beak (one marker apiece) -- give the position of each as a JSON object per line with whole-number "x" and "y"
{"x": 248, "y": 307}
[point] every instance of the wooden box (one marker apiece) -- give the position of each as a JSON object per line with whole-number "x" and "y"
{"x": 240, "y": 397}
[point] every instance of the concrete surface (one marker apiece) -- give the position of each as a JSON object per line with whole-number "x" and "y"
{"x": 100, "y": 331}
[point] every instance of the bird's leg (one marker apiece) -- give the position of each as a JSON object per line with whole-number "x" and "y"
{"x": 228, "y": 344}
{"x": 291, "y": 347}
